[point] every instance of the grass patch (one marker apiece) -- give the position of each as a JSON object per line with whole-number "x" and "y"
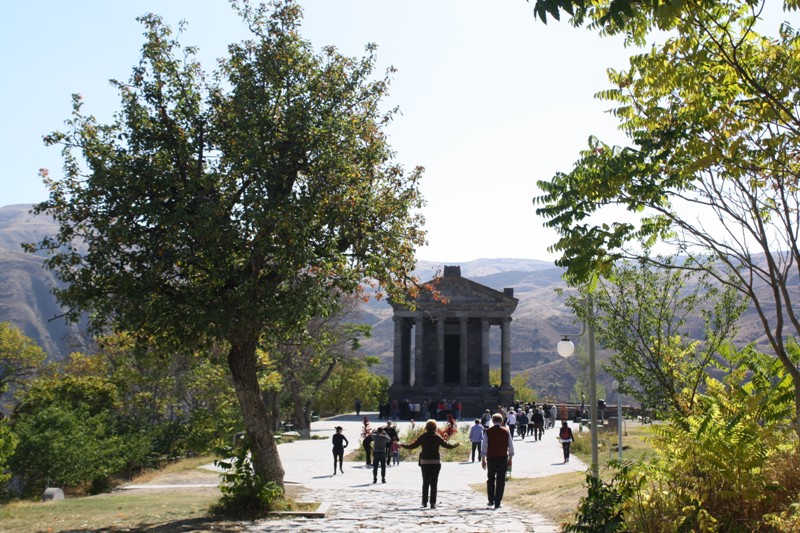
{"x": 150, "y": 510}
{"x": 108, "y": 511}
{"x": 554, "y": 497}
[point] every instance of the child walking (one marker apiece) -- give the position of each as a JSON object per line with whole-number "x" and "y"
{"x": 395, "y": 449}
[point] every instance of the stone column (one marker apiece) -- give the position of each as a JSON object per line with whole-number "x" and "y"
{"x": 397, "y": 360}
{"x": 485, "y": 352}
{"x": 419, "y": 325}
{"x": 440, "y": 352}
{"x": 505, "y": 354}
{"x": 463, "y": 360}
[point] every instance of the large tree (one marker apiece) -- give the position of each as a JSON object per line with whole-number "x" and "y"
{"x": 225, "y": 208}
{"x": 713, "y": 164}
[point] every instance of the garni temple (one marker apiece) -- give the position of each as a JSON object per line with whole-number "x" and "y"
{"x": 441, "y": 348}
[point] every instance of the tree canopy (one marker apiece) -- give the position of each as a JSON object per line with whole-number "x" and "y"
{"x": 224, "y": 207}
{"x": 712, "y": 167}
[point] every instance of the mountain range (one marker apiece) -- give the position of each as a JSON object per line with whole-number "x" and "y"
{"x": 538, "y": 322}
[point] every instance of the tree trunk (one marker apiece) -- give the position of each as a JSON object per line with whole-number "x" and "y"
{"x": 302, "y": 420}
{"x": 257, "y": 419}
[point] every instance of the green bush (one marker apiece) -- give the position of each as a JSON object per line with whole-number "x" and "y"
{"x": 730, "y": 465}
{"x": 245, "y": 494}
{"x": 65, "y": 446}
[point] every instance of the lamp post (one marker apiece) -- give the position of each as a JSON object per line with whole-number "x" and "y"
{"x": 565, "y": 349}
{"x": 619, "y": 419}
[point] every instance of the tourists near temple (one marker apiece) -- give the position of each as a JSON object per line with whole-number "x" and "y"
{"x": 476, "y": 437}
{"x": 390, "y": 430}
{"x": 486, "y": 419}
{"x": 497, "y": 449}
{"x": 522, "y": 423}
{"x": 395, "y": 450}
{"x": 366, "y": 441}
{"x": 339, "y": 444}
{"x": 381, "y": 443}
{"x": 538, "y": 423}
{"x": 566, "y": 437}
{"x": 429, "y": 460}
{"x": 531, "y": 425}
{"x": 511, "y": 421}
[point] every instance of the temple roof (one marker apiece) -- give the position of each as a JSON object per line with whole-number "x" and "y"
{"x": 457, "y": 296}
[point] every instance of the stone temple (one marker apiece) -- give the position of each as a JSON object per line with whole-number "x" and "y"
{"x": 441, "y": 348}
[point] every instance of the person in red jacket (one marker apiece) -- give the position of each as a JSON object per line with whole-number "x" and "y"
{"x": 497, "y": 449}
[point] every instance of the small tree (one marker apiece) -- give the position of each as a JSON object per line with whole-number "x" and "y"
{"x": 20, "y": 357}
{"x": 664, "y": 328}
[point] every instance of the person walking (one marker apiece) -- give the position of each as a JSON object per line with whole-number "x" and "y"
{"x": 357, "y": 405}
{"x": 381, "y": 443}
{"x": 430, "y": 463}
{"x": 476, "y": 437}
{"x": 538, "y": 423}
{"x": 339, "y": 444}
{"x": 522, "y": 423}
{"x": 566, "y": 437}
{"x": 498, "y": 450}
{"x": 511, "y": 421}
{"x": 366, "y": 440}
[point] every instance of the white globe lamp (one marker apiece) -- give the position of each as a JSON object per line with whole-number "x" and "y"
{"x": 565, "y": 347}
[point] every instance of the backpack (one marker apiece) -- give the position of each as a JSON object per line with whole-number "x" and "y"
{"x": 565, "y": 433}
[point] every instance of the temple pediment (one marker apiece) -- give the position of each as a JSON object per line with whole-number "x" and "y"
{"x": 453, "y": 295}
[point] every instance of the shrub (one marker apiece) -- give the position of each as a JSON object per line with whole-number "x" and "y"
{"x": 244, "y": 493}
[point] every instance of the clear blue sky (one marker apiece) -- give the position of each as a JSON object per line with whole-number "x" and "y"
{"x": 491, "y": 99}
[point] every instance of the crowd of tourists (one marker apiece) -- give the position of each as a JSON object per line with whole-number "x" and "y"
{"x": 491, "y": 438}
{"x": 420, "y": 410}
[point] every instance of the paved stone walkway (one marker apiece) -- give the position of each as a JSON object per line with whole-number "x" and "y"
{"x": 358, "y": 504}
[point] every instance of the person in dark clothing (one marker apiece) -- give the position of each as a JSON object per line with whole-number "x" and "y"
{"x": 380, "y": 450}
{"x": 522, "y": 424}
{"x": 430, "y": 463}
{"x": 391, "y": 431}
{"x": 538, "y": 424}
{"x": 497, "y": 449}
{"x": 339, "y": 444}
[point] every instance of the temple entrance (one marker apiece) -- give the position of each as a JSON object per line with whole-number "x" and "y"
{"x": 452, "y": 358}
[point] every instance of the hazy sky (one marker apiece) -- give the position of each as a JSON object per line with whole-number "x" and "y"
{"x": 491, "y": 99}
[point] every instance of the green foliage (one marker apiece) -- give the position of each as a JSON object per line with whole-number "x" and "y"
{"x": 8, "y": 443}
{"x": 522, "y": 390}
{"x": 665, "y": 328}
{"x": 719, "y": 468}
{"x": 712, "y": 119}
{"x": 224, "y": 209}
{"x": 20, "y": 357}
{"x": 602, "y": 508}
{"x": 244, "y": 493}
{"x": 68, "y": 446}
{"x": 352, "y": 379}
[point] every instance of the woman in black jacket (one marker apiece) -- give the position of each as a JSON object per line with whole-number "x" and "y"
{"x": 429, "y": 461}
